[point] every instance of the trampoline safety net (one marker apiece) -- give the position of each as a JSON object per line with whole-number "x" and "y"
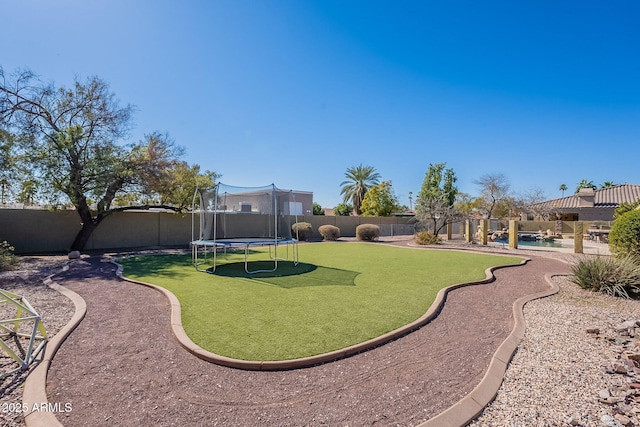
{"x": 242, "y": 217}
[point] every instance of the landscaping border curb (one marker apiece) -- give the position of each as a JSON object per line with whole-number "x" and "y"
{"x": 34, "y": 394}
{"x": 460, "y": 414}
{"x": 470, "y": 406}
{"x": 303, "y": 362}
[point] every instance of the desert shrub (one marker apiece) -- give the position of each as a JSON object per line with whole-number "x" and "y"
{"x": 329, "y": 232}
{"x": 367, "y": 232}
{"x": 7, "y": 257}
{"x": 427, "y": 238}
{"x": 302, "y": 231}
{"x": 612, "y": 276}
{"x": 624, "y": 237}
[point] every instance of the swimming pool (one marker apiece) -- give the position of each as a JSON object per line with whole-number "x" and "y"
{"x": 541, "y": 243}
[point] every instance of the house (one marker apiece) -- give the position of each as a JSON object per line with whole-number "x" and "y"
{"x": 586, "y": 205}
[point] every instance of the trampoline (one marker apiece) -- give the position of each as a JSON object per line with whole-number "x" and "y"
{"x": 239, "y": 218}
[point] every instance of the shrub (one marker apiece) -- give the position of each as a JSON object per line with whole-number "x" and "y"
{"x": 427, "y": 238}
{"x": 612, "y": 276}
{"x": 329, "y": 232}
{"x": 624, "y": 237}
{"x": 367, "y": 232}
{"x": 7, "y": 257}
{"x": 302, "y": 231}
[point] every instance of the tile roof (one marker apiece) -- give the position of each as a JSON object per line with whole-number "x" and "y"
{"x": 602, "y": 198}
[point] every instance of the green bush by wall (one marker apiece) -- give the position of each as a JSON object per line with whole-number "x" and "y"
{"x": 624, "y": 237}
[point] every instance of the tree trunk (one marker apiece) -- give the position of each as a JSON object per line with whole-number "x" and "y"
{"x": 83, "y": 236}
{"x": 89, "y": 224}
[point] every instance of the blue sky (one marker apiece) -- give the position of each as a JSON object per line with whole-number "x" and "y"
{"x": 294, "y": 92}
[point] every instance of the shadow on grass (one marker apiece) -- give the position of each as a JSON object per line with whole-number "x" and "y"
{"x": 288, "y": 275}
{"x": 155, "y": 265}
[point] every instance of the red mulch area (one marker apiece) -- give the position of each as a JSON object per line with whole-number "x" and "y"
{"x": 122, "y": 365}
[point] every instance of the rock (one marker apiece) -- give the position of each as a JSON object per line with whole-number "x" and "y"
{"x": 74, "y": 255}
{"x": 574, "y": 421}
{"x": 624, "y": 420}
{"x": 624, "y": 409}
{"x": 594, "y": 331}
{"x": 620, "y": 368}
{"x": 609, "y": 421}
{"x": 611, "y": 400}
{"x": 629, "y": 324}
{"x": 604, "y": 394}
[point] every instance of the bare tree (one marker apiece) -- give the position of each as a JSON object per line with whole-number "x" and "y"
{"x": 494, "y": 188}
{"x": 534, "y": 202}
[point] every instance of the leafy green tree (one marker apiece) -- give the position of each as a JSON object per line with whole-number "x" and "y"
{"x": 174, "y": 188}
{"x": 359, "y": 180}
{"x": 28, "y": 192}
{"x": 7, "y": 164}
{"x": 624, "y": 207}
{"x": 6, "y": 151}
{"x": 494, "y": 189}
{"x": 72, "y": 143}
{"x": 317, "y": 209}
{"x": 585, "y": 184}
{"x": 343, "y": 209}
{"x": 435, "y": 204}
{"x": 4, "y": 189}
{"x": 380, "y": 200}
{"x": 468, "y": 205}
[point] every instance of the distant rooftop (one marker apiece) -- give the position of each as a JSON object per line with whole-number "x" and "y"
{"x": 608, "y": 197}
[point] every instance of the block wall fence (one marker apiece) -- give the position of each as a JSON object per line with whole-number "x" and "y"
{"x": 33, "y": 231}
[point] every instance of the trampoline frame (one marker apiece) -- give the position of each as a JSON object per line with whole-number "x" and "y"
{"x": 198, "y": 246}
{"x": 203, "y": 245}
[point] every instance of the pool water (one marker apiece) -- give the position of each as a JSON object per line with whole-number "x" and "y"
{"x": 537, "y": 243}
{"x": 541, "y": 243}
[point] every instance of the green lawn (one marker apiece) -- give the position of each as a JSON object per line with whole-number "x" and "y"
{"x": 339, "y": 295}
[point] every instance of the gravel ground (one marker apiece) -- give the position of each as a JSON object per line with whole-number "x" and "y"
{"x": 559, "y": 369}
{"x": 55, "y": 310}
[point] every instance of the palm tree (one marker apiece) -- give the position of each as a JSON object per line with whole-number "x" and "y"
{"x": 585, "y": 184}
{"x": 359, "y": 180}
{"x": 608, "y": 184}
{"x": 563, "y": 188}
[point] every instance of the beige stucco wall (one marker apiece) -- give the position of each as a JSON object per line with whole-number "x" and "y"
{"x": 141, "y": 229}
{"x": 41, "y": 231}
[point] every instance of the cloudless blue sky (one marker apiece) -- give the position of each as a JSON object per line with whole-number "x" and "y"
{"x": 294, "y": 92}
